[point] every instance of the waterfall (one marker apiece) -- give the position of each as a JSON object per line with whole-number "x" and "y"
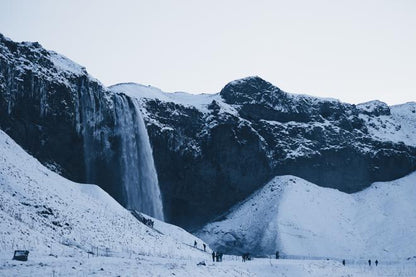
{"x": 139, "y": 177}
{"x": 117, "y": 152}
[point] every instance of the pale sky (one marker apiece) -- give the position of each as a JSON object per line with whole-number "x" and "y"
{"x": 353, "y": 50}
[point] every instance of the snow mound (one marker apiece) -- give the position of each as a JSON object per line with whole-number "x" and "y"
{"x": 47, "y": 214}
{"x": 300, "y": 219}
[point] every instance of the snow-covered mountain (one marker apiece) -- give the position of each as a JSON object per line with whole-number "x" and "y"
{"x": 298, "y": 218}
{"x": 210, "y": 151}
{"x": 47, "y": 214}
{"x": 226, "y": 145}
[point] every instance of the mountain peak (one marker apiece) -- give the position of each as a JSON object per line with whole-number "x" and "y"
{"x": 41, "y": 62}
{"x": 253, "y": 81}
{"x": 248, "y": 79}
{"x": 252, "y": 89}
{"x": 374, "y": 107}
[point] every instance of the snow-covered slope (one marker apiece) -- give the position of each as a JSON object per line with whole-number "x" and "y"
{"x": 298, "y": 218}
{"x": 197, "y": 101}
{"x": 398, "y": 126}
{"x": 48, "y": 214}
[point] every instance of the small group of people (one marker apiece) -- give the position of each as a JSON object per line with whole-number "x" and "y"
{"x": 369, "y": 262}
{"x": 203, "y": 245}
{"x": 217, "y": 256}
{"x": 246, "y": 257}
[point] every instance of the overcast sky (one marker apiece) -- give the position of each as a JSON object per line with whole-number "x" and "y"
{"x": 353, "y": 50}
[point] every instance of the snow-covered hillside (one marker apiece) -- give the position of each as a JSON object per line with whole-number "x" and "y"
{"x": 398, "y": 126}
{"x": 48, "y": 214}
{"x": 298, "y": 218}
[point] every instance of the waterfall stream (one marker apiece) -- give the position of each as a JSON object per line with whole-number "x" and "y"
{"x": 123, "y": 147}
{"x": 140, "y": 183}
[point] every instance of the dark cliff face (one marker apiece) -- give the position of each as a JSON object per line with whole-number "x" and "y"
{"x": 203, "y": 171}
{"x": 325, "y": 142}
{"x": 207, "y": 160}
{"x": 37, "y": 111}
{"x": 57, "y": 113}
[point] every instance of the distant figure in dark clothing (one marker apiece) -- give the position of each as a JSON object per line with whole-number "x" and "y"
{"x": 195, "y": 243}
{"x": 376, "y": 262}
{"x": 245, "y": 256}
{"x": 217, "y": 257}
{"x": 369, "y": 262}
{"x": 277, "y": 255}
{"x": 205, "y": 247}
{"x": 221, "y": 256}
{"x": 213, "y": 256}
{"x": 343, "y": 262}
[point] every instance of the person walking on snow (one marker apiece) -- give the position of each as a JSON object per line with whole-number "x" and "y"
{"x": 195, "y": 243}
{"x": 213, "y": 256}
{"x": 205, "y": 247}
{"x": 369, "y": 262}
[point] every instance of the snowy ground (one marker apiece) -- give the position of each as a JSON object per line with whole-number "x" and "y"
{"x": 231, "y": 266}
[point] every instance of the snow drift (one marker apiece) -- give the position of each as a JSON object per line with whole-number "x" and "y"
{"x": 298, "y": 218}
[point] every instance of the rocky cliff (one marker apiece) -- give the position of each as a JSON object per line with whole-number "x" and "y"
{"x": 74, "y": 125}
{"x": 212, "y": 150}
